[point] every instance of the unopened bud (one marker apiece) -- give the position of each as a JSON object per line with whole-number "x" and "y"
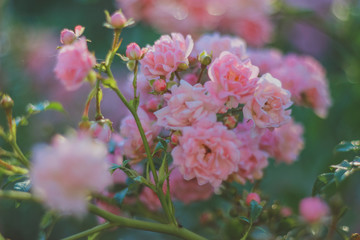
{"x": 175, "y": 138}
{"x": 230, "y": 121}
{"x": 133, "y": 51}
{"x": 67, "y": 36}
{"x": 6, "y": 102}
{"x": 182, "y": 67}
{"x": 252, "y": 197}
{"x": 85, "y": 125}
{"x": 204, "y": 58}
{"x": 159, "y": 85}
{"x": 118, "y": 20}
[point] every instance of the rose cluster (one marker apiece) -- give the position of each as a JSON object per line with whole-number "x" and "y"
{"x": 224, "y": 109}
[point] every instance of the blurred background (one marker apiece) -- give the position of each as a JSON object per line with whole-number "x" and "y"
{"x": 329, "y": 30}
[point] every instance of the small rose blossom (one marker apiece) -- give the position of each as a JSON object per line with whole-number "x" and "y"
{"x": 191, "y": 78}
{"x": 266, "y": 59}
{"x": 268, "y": 107}
{"x": 313, "y": 209}
{"x": 117, "y": 19}
{"x": 210, "y": 156}
{"x": 216, "y": 44}
{"x": 230, "y": 121}
{"x": 232, "y": 80}
{"x": 286, "y": 212}
{"x": 65, "y": 172}
{"x": 284, "y": 143}
{"x": 159, "y": 85}
{"x": 67, "y": 36}
{"x": 252, "y": 197}
{"x": 253, "y": 159}
{"x": 305, "y": 78}
{"x": 188, "y": 191}
{"x": 166, "y": 55}
{"x": 133, "y": 51}
{"x": 133, "y": 146}
{"x": 100, "y": 131}
{"x": 74, "y": 63}
{"x": 186, "y": 105}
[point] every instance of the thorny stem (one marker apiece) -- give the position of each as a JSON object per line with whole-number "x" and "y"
{"x": 98, "y": 116}
{"x": 114, "y": 220}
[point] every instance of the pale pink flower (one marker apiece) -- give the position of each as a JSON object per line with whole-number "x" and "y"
{"x": 233, "y": 81}
{"x": 284, "y": 143}
{"x": 268, "y": 107}
{"x": 65, "y": 172}
{"x": 117, "y": 19}
{"x": 188, "y": 191}
{"x": 313, "y": 209}
{"x": 265, "y": 59}
{"x": 215, "y": 44}
{"x": 208, "y": 152}
{"x": 191, "y": 78}
{"x": 186, "y": 105}
{"x": 133, "y": 51}
{"x": 100, "y": 131}
{"x": 286, "y": 212}
{"x": 67, "y": 36}
{"x": 159, "y": 85}
{"x": 254, "y": 28}
{"x": 133, "y": 146}
{"x": 305, "y": 78}
{"x": 253, "y": 160}
{"x": 166, "y": 55}
{"x": 74, "y": 62}
{"x": 252, "y": 197}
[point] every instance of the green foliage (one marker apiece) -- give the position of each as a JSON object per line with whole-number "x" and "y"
{"x": 347, "y": 146}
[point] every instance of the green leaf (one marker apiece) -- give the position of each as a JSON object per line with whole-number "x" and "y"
{"x": 12, "y": 179}
{"x": 110, "y": 82}
{"x": 346, "y": 146}
{"x": 343, "y": 170}
{"x": 322, "y": 181}
{"x": 255, "y": 210}
{"x": 23, "y": 186}
{"x": 120, "y": 196}
{"x": 245, "y": 219}
{"x": 21, "y": 121}
{"x": 44, "y": 106}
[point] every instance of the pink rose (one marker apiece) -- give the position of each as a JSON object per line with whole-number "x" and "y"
{"x": 133, "y": 51}
{"x": 208, "y": 152}
{"x": 166, "y": 55}
{"x": 186, "y": 105}
{"x": 232, "y": 80}
{"x": 305, "y": 78}
{"x": 216, "y": 44}
{"x": 65, "y": 172}
{"x": 188, "y": 191}
{"x": 266, "y": 59}
{"x": 284, "y": 143}
{"x": 313, "y": 209}
{"x": 133, "y": 146}
{"x": 74, "y": 63}
{"x": 253, "y": 159}
{"x": 268, "y": 107}
{"x": 252, "y": 197}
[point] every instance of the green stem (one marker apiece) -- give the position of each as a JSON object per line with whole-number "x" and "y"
{"x": 177, "y": 75}
{"x": 141, "y": 130}
{"x": 136, "y": 100}
{"x": 12, "y": 168}
{"x": 146, "y": 226}
{"x": 90, "y": 231}
{"x": 17, "y": 195}
{"x": 201, "y": 73}
{"x": 98, "y": 97}
{"x": 247, "y": 232}
{"x": 19, "y": 153}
